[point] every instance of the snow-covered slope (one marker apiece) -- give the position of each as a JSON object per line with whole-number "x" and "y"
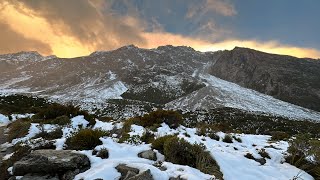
{"x": 221, "y": 93}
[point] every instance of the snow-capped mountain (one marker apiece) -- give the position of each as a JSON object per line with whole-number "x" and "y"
{"x": 168, "y": 76}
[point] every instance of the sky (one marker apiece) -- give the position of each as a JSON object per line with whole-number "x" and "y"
{"x": 71, "y": 28}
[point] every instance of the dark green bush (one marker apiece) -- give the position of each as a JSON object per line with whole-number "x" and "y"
{"x": 179, "y": 151}
{"x": 158, "y": 143}
{"x": 227, "y": 138}
{"x": 172, "y": 118}
{"x": 302, "y": 147}
{"x": 214, "y": 136}
{"x": 147, "y": 137}
{"x": 53, "y": 111}
{"x": 85, "y": 139}
{"x": 124, "y": 137}
{"x": 19, "y": 104}
{"x": 279, "y": 135}
{"x": 55, "y": 134}
{"x": 60, "y": 120}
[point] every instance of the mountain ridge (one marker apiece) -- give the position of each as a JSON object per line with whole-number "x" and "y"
{"x": 163, "y": 76}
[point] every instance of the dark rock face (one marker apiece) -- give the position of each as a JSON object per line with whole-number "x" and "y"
{"x": 39, "y": 177}
{"x": 287, "y": 78}
{"x": 63, "y": 163}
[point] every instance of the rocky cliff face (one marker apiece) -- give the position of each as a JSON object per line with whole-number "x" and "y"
{"x": 290, "y": 79}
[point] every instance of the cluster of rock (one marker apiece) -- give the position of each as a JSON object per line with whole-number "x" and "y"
{"x": 51, "y": 165}
{"x": 66, "y": 164}
{"x": 130, "y": 173}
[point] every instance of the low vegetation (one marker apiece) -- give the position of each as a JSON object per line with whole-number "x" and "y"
{"x": 179, "y": 151}
{"x": 305, "y": 154}
{"x": 85, "y": 139}
{"x": 227, "y": 138}
{"x": 19, "y": 104}
{"x": 172, "y": 118}
{"x": 57, "y": 113}
{"x": 158, "y": 143}
{"x": 231, "y": 120}
{"x": 18, "y": 128}
{"x": 55, "y": 134}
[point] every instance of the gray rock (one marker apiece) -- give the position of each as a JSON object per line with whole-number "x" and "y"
{"x": 146, "y": 175}
{"x": 39, "y": 177}
{"x": 12, "y": 178}
{"x": 124, "y": 170}
{"x": 51, "y": 162}
{"x": 262, "y": 161}
{"x": 129, "y": 175}
{"x": 69, "y": 175}
{"x": 149, "y": 154}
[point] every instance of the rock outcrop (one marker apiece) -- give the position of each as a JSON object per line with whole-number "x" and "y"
{"x": 50, "y": 163}
{"x": 291, "y": 79}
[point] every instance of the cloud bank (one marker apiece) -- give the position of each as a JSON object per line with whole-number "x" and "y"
{"x": 78, "y": 27}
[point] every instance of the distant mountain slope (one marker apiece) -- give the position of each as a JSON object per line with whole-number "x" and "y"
{"x": 290, "y": 79}
{"x": 168, "y": 76}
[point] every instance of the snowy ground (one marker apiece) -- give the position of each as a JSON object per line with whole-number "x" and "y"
{"x": 229, "y": 156}
{"x": 4, "y": 120}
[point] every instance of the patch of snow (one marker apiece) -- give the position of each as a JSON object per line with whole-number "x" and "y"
{"x": 112, "y": 76}
{"x": 20, "y": 116}
{"x": 4, "y": 120}
{"x": 106, "y": 126}
{"x": 7, "y": 156}
{"x": 79, "y": 121}
{"x": 136, "y": 130}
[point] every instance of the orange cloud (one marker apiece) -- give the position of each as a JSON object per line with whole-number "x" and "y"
{"x": 37, "y": 28}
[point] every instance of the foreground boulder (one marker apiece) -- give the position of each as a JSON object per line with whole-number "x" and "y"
{"x": 39, "y": 177}
{"x": 64, "y": 163}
